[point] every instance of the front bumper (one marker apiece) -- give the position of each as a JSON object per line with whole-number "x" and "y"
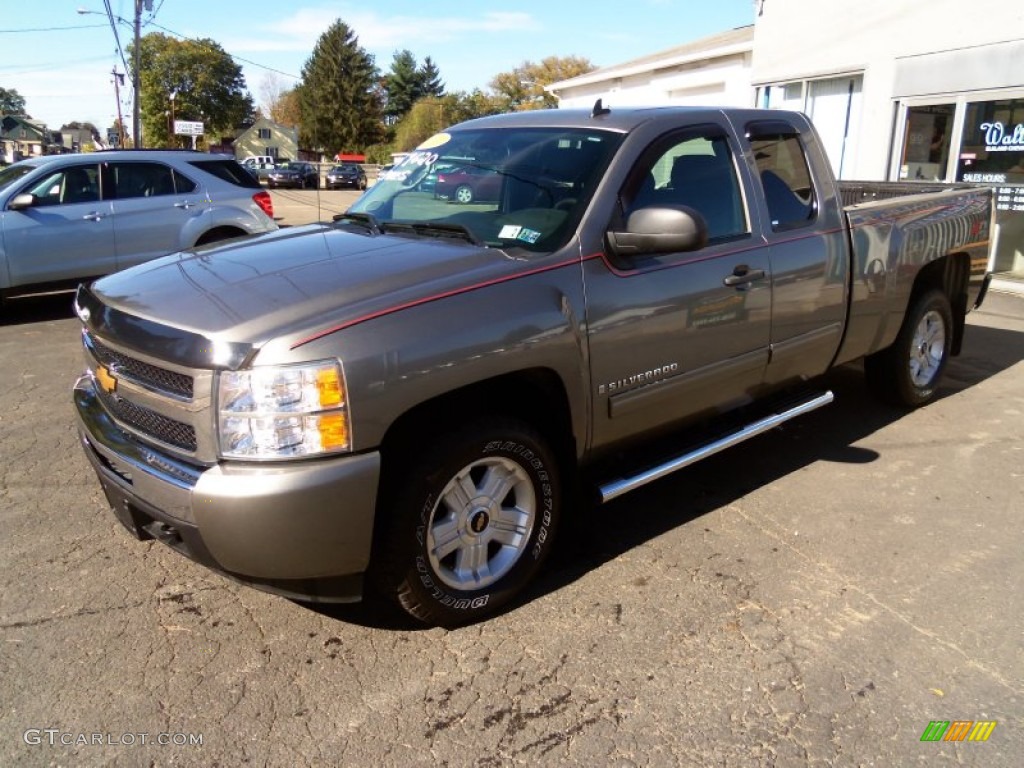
{"x": 301, "y": 529}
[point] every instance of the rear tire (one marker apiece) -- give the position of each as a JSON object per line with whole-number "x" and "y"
{"x": 909, "y": 372}
{"x": 464, "y": 194}
{"x": 473, "y": 524}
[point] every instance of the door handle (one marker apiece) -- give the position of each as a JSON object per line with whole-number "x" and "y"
{"x": 742, "y": 275}
{"x": 93, "y": 216}
{"x": 185, "y": 204}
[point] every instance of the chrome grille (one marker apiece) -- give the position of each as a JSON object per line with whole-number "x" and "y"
{"x": 152, "y": 376}
{"x": 149, "y": 422}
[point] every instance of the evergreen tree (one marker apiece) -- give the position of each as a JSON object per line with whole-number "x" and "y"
{"x": 401, "y": 86}
{"x": 340, "y": 109}
{"x": 407, "y": 83}
{"x": 430, "y": 79}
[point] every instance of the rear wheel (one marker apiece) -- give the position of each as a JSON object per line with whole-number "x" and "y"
{"x": 909, "y": 372}
{"x": 474, "y": 524}
{"x": 464, "y": 194}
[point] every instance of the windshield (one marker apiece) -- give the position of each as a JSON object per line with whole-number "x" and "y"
{"x": 506, "y": 187}
{"x": 12, "y": 173}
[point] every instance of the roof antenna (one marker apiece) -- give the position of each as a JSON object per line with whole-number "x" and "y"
{"x": 600, "y": 110}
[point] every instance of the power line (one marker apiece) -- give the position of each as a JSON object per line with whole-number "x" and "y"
{"x": 49, "y": 29}
{"x": 113, "y": 27}
{"x": 231, "y": 55}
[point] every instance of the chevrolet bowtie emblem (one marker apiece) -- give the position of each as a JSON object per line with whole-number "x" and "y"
{"x": 106, "y": 380}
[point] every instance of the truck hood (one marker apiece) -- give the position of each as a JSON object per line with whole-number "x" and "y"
{"x": 299, "y": 281}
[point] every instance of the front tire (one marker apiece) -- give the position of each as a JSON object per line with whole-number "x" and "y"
{"x": 908, "y": 373}
{"x": 474, "y": 524}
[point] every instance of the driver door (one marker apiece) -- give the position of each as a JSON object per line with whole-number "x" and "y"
{"x": 677, "y": 335}
{"x": 67, "y": 233}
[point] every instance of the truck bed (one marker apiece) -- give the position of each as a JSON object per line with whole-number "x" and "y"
{"x": 856, "y": 192}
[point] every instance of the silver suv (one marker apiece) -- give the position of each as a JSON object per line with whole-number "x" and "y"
{"x": 65, "y": 218}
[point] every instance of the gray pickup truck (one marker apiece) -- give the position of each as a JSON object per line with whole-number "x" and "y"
{"x": 406, "y": 402}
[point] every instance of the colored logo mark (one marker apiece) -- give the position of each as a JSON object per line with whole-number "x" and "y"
{"x": 958, "y": 730}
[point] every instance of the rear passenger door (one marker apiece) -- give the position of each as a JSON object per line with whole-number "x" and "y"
{"x": 807, "y": 247}
{"x": 153, "y": 206}
{"x": 673, "y": 335}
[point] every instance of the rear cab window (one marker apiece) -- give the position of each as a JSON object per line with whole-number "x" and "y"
{"x": 784, "y": 174}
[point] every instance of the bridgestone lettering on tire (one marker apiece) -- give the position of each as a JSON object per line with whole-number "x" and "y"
{"x": 909, "y": 372}
{"x": 476, "y": 523}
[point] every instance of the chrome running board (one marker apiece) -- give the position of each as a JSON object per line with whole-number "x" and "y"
{"x": 617, "y": 488}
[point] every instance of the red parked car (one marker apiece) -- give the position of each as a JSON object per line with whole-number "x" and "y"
{"x": 468, "y": 185}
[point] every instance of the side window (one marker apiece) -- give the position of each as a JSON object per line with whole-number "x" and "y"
{"x": 147, "y": 180}
{"x": 142, "y": 180}
{"x": 77, "y": 184}
{"x": 785, "y": 177}
{"x": 183, "y": 184}
{"x": 696, "y": 171}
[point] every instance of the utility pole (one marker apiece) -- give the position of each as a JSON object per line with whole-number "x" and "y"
{"x": 136, "y": 128}
{"x": 118, "y": 78}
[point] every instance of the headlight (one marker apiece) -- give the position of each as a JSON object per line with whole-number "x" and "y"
{"x": 283, "y": 412}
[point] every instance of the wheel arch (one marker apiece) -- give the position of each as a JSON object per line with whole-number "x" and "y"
{"x": 223, "y": 232}
{"x": 536, "y": 396}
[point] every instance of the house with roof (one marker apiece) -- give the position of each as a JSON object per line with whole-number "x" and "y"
{"x": 265, "y": 137}
{"x": 21, "y": 137}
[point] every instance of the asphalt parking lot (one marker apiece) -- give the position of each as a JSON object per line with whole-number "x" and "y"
{"x": 816, "y": 596}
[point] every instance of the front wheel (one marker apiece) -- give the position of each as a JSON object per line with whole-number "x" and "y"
{"x": 475, "y": 523}
{"x": 908, "y": 373}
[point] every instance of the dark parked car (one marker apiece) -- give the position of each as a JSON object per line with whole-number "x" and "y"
{"x": 346, "y": 175}
{"x": 294, "y": 174}
{"x": 468, "y": 185}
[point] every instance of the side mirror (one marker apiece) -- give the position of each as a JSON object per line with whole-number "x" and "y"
{"x": 21, "y": 202}
{"x": 660, "y": 230}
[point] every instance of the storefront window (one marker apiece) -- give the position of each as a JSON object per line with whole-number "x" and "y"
{"x": 928, "y": 138}
{"x": 992, "y": 150}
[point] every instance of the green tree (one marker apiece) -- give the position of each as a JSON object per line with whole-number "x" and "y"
{"x": 206, "y": 83}
{"x": 432, "y": 114}
{"x": 11, "y": 102}
{"x": 430, "y": 78}
{"x": 523, "y": 87}
{"x": 401, "y": 86}
{"x": 340, "y": 106}
{"x": 407, "y": 82}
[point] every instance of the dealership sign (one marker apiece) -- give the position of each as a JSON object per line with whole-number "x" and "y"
{"x": 195, "y": 128}
{"x": 1000, "y": 139}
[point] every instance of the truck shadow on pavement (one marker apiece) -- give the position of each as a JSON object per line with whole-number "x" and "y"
{"x": 595, "y": 534}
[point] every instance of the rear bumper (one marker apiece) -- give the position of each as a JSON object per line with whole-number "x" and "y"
{"x": 300, "y": 529}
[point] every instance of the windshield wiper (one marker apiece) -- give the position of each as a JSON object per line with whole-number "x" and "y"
{"x": 368, "y": 220}
{"x": 432, "y": 229}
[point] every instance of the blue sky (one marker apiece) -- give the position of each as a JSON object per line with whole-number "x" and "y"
{"x": 60, "y": 60}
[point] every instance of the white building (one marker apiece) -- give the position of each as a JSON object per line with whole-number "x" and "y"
{"x": 898, "y": 89}
{"x": 906, "y": 90}
{"x": 713, "y": 70}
